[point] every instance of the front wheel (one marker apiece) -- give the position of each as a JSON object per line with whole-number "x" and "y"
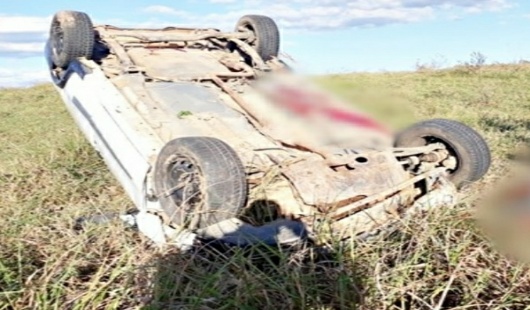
{"x": 465, "y": 144}
{"x": 266, "y": 35}
{"x": 71, "y": 37}
{"x": 199, "y": 181}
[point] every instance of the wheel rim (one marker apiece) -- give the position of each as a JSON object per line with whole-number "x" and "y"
{"x": 183, "y": 183}
{"x": 254, "y": 43}
{"x": 57, "y": 38}
{"x": 426, "y": 140}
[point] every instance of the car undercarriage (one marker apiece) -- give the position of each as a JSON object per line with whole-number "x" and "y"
{"x": 199, "y": 126}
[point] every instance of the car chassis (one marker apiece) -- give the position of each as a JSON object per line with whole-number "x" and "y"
{"x": 137, "y": 94}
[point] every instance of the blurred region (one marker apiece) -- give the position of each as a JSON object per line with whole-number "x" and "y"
{"x": 305, "y": 115}
{"x": 386, "y": 102}
{"x": 504, "y": 214}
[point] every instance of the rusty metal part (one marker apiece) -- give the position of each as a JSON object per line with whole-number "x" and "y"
{"x": 155, "y": 38}
{"x": 235, "y": 64}
{"x": 276, "y": 65}
{"x": 411, "y": 161}
{"x": 249, "y": 50}
{"x": 426, "y": 166}
{"x": 358, "y": 206}
{"x": 436, "y": 156}
{"x": 384, "y": 215}
{"x": 205, "y": 78}
{"x": 156, "y": 45}
{"x": 409, "y": 151}
{"x": 376, "y": 216}
{"x": 125, "y": 61}
{"x": 321, "y": 186}
{"x": 259, "y": 63}
{"x": 219, "y": 43}
{"x": 166, "y": 29}
{"x": 450, "y": 163}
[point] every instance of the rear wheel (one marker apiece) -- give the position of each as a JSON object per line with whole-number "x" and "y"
{"x": 71, "y": 37}
{"x": 266, "y": 35}
{"x": 464, "y": 143}
{"x": 200, "y": 181}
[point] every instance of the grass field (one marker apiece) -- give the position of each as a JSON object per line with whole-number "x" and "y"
{"x": 49, "y": 175}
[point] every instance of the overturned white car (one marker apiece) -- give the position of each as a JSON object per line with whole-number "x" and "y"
{"x": 199, "y": 126}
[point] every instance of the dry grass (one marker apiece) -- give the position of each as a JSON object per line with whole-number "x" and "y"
{"x": 49, "y": 175}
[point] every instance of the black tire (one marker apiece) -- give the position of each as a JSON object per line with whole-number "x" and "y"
{"x": 471, "y": 151}
{"x": 71, "y": 37}
{"x": 267, "y": 42}
{"x": 216, "y": 189}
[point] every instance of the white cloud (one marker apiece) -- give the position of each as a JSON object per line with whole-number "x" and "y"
{"x": 162, "y": 9}
{"x": 333, "y": 14}
{"x": 22, "y": 36}
{"x": 21, "y": 49}
{"x": 491, "y": 6}
{"x": 22, "y": 78}
{"x": 24, "y": 24}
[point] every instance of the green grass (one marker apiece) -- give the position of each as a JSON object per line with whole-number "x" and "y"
{"x": 49, "y": 175}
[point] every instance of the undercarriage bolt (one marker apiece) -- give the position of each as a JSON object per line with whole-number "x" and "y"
{"x": 436, "y": 156}
{"x": 450, "y": 163}
{"x": 431, "y": 157}
{"x": 413, "y": 161}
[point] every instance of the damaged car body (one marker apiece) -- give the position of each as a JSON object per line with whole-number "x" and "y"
{"x": 199, "y": 126}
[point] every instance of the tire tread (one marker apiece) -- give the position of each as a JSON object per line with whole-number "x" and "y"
{"x": 267, "y": 33}
{"x": 78, "y": 37}
{"x": 469, "y": 143}
{"x": 223, "y": 173}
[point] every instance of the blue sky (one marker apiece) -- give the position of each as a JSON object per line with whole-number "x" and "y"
{"x": 322, "y": 36}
